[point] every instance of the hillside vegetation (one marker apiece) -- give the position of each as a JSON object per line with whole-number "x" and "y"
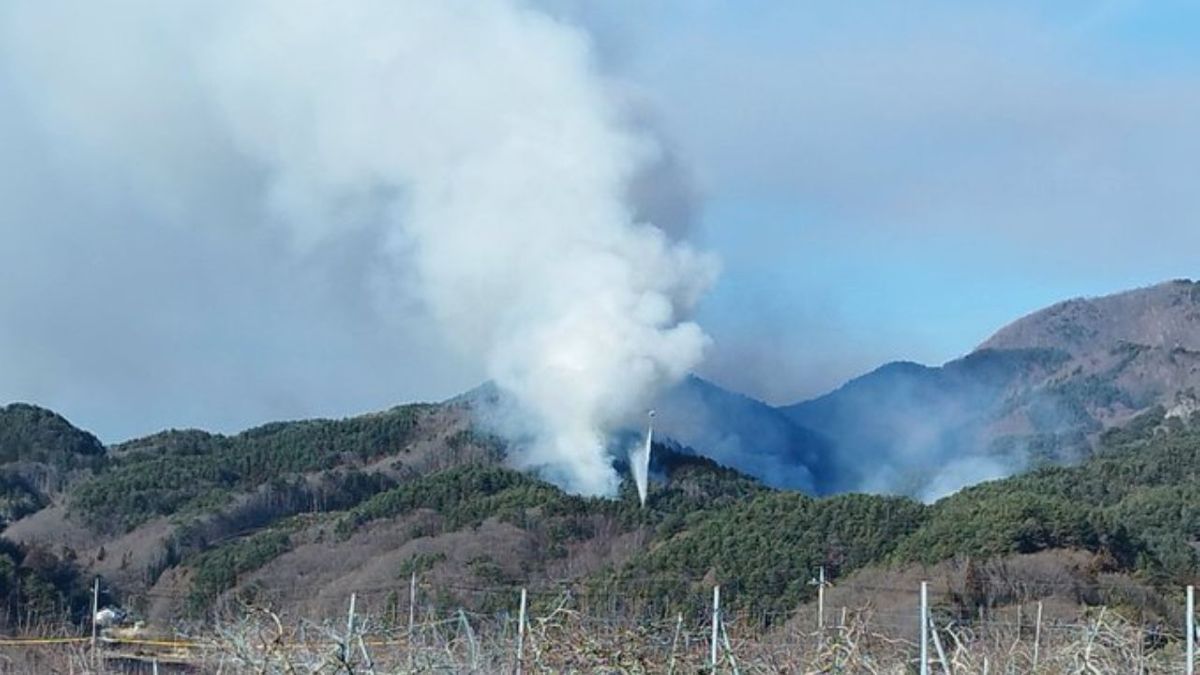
{"x": 39, "y": 453}
{"x": 192, "y": 470}
{"x": 705, "y": 524}
{"x": 32, "y": 434}
{"x": 1132, "y": 505}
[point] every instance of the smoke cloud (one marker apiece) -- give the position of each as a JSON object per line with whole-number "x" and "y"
{"x": 474, "y": 145}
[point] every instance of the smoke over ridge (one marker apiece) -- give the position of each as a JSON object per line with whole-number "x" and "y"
{"x": 478, "y": 137}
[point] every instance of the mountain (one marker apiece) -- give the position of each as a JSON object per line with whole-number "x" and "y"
{"x": 32, "y": 434}
{"x": 699, "y": 417}
{"x": 39, "y": 453}
{"x": 1037, "y": 392}
{"x": 297, "y": 515}
{"x": 745, "y": 434}
{"x": 1164, "y": 316}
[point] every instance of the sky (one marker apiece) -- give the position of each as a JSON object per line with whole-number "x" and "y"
{"x": 879, "y": 181}
{"x": 891, "y": 181}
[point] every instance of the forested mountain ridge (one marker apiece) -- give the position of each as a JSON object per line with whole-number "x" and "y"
{"x": 466, "y": 522}
{"x": 40, "y": 453}
{"x": 180, "y": 523}
{"x": 32, "y": 434}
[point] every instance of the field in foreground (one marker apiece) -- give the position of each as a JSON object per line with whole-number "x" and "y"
{"x": 558, "y": 636}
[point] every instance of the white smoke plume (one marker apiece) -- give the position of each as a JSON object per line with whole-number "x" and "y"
{"x": 479, "y": 135}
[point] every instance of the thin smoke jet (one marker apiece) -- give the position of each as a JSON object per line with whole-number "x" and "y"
{"x": 639, "y": 461}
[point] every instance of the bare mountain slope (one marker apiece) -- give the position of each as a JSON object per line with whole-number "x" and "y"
{"x": 1164, "y": 316}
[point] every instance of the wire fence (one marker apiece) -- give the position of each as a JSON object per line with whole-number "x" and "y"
{"x": 552, "y": 630}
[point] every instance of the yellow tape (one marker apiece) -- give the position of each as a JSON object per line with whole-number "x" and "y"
{"x": 385, "y": 643}
{"x": 40, "y": 641}
{"x": 177, "y": 644}
{"x": 184, "y": 644}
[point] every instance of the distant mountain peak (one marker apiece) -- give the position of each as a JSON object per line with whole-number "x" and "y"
{"x": 1163, "y": 315}
{"x": 1038, "y": 391}
{"x": 32, "y": 433}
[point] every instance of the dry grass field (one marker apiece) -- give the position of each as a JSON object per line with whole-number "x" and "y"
{"x": 560, "y": 637}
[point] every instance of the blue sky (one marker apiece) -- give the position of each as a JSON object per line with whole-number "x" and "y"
{"x": 881, "y": 181}
{"x": 896, "y": 181}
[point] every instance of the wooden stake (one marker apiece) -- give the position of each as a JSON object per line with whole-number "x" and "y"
{"x": 95, "y": 611}
{"x": 412, "y": 603}
{"x": 412, "y": 615}
{"x": 347, "y": 650}
{"x": 521, "y": 633}
{"x": 716, "y": 625}
{"x": 675, "y": 642}
{"x": 362, "y": 645}
{"x": 1191, "y": 630}
{"x": 466, "y": 625}
{"x": 924, "y": 628}
{"x": 1141, "y": 652}
{"x": 729, "y": 649}
{"x": 1037, "y": 635}
{"x": 937, "y": 643}
{"x": 821, "y": 599}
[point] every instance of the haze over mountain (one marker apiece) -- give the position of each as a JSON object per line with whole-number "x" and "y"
{"x": 1037, "y": 391}
{"x": 298, "y": 514}
{"x": 141, "y": 183}
{"x": 252, "y": 255}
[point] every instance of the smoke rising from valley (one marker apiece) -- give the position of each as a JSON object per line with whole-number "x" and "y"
{"x": 215, "y": 214}
{"x": 485, "y": 160}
